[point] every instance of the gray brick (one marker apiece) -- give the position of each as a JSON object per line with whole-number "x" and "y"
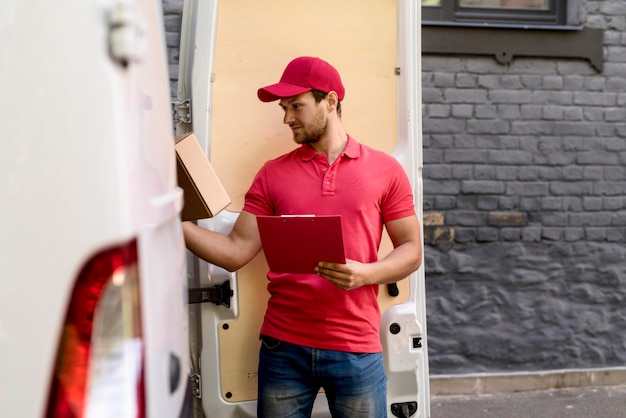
{"x": 482, "y": 187}
{"x": 530, "y": 204}
{"x": 531, "y": 111}
{"x": 577, "y": 188}
{"x": 531, "y": 128}
{"x": 437, "y": 172}
{"x": 593, "y": 173}
{"x": 595, "y": 83}
{"x": 595, "y": 234}
{"x": 462, "y": 172}
{"x": 574, "y": 128}
{"x": 431, "y": 156}
{"x": 574, "y": 234}
{"x": 595, "y": 98}
{"x": 487, "y": 203}
{"x": 486, "y": 234}
{"x": 555, "y": 158}
{"x": 509, "y": 157}
{"x": 440, "y": 126}
{"x": 618, "y": 218}
{"x": 612, "y": 203}
{"x": 465, "y": 156}
{"x": 489, "y": 81}
{"x": 552, "y": 112}
{"x": 531, "y": 234}
{"x": 554, "y": 219}
{"x": 462, "y": 111}
{"x": 466, "y": 202}
{"x": 531, "y": 81}
{"x": 508, "y": 202}
{"x": 610, "y": 188}
{"x": 527, "y": 188}
{"x": 553, "y": 82}
{"x": 448, "y": 187}
{"x": 573, "y": 82}
{"x": 511, "y": 234}
{"x": 466, "y": 80}
{"x": 444, "y": 203}
{"x": 573, "y": 204}
{"x": 511, "y": 82}
{"x": 597, "y": 157}
{"x": 588, "y": 219}
{"x": 465, "y": 96}
{"x": 616, "y": 234}
{"x": 615, "y": 144}
{"x": 509, "y": 111}
{"x": 463, "y": 235}
{"x": 485, "y": 111}
{"x": 592, "y": 203}
{"x": 572, "y": 113}
{"x": 485, "y": 172}
{"x": 431, "y": 95}
{"x": 552, "y": 97}
{"x": 552, "y": 234}
{"x": 614, "y": 173}
{"x": 572, "y": 173}
{"x": 488, "y": 127}
{"x": 467, "y": 218}
{"x": 443, "y": 79}
{"x": 506, "y": 173}
{"x": 509, "y": 96}
{"x": 593, "y": 114}
{"x": 438, "y": 110}
{"x": 551, "y": 203}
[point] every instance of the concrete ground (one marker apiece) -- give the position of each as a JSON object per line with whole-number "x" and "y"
{"x": 584, "y": 402}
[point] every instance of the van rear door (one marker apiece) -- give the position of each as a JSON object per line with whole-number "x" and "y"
{"x": 229, "y": 50}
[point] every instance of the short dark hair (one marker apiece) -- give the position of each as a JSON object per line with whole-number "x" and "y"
{"x": 320, "y": 95}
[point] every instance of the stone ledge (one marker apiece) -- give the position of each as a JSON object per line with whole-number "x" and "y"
{"x": 488, "y": 383}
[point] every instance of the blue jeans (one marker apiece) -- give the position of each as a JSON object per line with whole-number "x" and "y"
{"x": 290, "y": 376}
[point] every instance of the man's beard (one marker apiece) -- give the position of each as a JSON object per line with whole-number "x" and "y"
{"x": 313, "y": 133}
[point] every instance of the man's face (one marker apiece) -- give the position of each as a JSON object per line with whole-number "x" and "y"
{"x": 307, "y": 119}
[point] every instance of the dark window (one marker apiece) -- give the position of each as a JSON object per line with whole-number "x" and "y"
{"x": 534, "y": 13}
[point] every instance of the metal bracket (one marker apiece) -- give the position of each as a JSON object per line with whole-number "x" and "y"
{"x": 219, "y": 295}
{"x": 181, "y": 112}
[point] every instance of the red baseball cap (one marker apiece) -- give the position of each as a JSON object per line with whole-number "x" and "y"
{"x": 301, "y": 75}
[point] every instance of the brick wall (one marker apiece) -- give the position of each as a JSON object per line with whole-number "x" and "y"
{"x": 524, "y": 200}
{"x": 525, "y": 208}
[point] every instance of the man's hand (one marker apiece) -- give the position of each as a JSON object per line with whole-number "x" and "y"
{"x": 349, "y": 276}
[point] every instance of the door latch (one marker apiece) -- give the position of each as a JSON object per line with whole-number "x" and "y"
{"x": 219, "y": 294}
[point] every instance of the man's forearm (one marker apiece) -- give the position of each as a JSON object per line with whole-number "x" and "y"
{"x": 213, "y": 247}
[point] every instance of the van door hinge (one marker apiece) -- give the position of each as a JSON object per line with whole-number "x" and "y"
{"x": 181, "y": 112}
{"x": 196, "y": 385}
{"x": 219, "y": 295}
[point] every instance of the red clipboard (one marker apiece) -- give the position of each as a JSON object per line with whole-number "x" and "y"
{"x": 295, "y": 244}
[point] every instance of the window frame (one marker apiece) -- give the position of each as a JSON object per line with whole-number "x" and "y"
{"x": 451, "y": 13}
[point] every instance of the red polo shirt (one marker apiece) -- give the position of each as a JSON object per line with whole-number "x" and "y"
{"x": 367, "y": 187}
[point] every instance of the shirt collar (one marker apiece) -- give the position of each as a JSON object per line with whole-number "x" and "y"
{"x": 352, "y": 150}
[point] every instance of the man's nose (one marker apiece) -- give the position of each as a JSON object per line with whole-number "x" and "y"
{"x": 288, "y": 118}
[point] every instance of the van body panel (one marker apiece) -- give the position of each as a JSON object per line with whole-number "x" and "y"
{"x": 87, "y": 163}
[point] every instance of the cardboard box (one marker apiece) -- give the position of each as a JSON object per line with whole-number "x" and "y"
{"x": 204, "y": 194}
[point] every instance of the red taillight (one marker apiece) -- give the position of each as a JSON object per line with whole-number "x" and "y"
{"x": 99, "y": 365}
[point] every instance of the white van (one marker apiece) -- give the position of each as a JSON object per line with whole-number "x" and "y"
{"x": 93, "y": 303}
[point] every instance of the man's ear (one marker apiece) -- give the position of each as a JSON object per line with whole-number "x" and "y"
{"x": 332, "y": 100}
